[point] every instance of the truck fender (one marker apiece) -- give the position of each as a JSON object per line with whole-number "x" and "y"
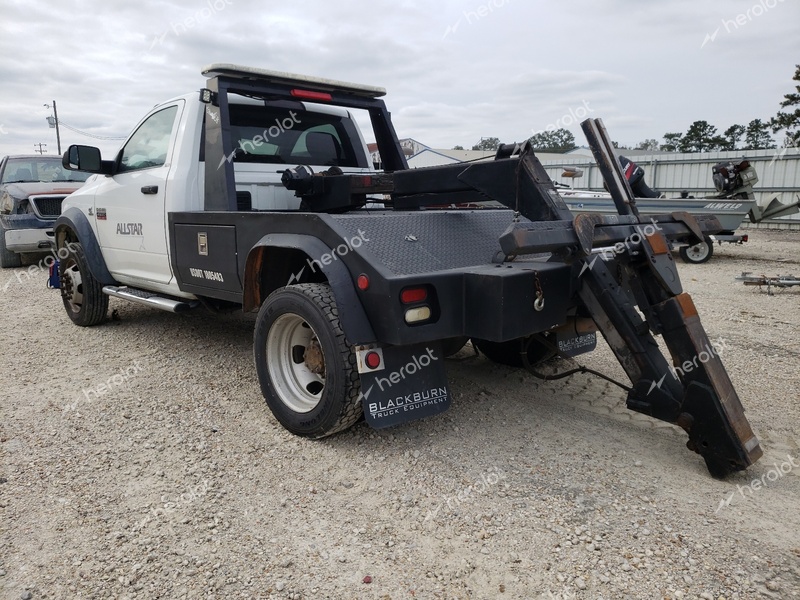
{"x": 74, "y": 220}
{"x": 263, "y": 275}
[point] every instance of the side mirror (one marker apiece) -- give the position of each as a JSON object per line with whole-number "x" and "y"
{"x": 85, "y": 158}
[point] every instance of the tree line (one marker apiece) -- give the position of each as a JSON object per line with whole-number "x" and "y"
{"x": 701, "y": 136}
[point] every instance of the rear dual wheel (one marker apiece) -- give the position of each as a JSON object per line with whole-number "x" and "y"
{"x": 306, "y": 368}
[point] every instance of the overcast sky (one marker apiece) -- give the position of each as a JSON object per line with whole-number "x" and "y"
{"x": 455, "y": 70}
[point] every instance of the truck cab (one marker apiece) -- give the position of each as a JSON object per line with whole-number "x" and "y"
{"x": 161, "y": 168}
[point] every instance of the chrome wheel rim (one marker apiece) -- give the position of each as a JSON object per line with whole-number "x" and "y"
{"x": 296, "y": 363}
{"x": 72, "y": 284}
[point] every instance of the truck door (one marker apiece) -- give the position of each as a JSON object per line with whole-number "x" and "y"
{"x": 129, "y": 207}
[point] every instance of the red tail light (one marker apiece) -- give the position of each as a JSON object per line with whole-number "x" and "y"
{"x": 413, "y": 295}
{"x": 309, "y": 95}
{"x": 373, "y": 360}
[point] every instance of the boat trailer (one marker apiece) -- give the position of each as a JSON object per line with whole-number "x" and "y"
{"x": 779, "y": 281}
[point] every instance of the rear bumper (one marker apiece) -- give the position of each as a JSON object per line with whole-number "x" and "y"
{"x": 27, "y": 233}
{"x": 495, "y": 302}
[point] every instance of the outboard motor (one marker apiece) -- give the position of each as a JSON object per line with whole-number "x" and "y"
{"x": 635, "y": 176}
{"x": 729, "y": 177}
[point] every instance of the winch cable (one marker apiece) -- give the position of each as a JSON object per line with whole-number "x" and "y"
{"x": 580, "y": 368}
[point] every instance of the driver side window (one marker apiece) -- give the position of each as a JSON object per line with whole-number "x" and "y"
{"x": 148, "y": 146}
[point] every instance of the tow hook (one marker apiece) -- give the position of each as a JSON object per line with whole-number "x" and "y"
{"x": 538, "y": 304}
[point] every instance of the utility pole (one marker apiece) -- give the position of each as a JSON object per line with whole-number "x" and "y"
{"x": 40, "y": 151}
{"x": 53, "y": 121}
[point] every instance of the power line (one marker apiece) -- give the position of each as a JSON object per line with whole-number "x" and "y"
{"x": 91, "y": 135}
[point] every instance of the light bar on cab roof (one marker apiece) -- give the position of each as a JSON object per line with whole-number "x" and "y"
{"x": 317, "y": 84}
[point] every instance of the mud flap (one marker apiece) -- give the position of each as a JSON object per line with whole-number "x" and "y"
{"x": 572, "y": 340}
{"x": 408, "y": 383}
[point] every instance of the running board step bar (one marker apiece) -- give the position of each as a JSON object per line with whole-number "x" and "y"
{"x": 149, "y": 299}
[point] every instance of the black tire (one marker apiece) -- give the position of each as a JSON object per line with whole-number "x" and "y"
{"x": 305, "y": 366}
{"x": 82, "y": 294}
{"x": 451, "y": 346}
{"x": 699, "y": 253}
{"x": 510, "y": 353}
{"x": 8, "y": 260}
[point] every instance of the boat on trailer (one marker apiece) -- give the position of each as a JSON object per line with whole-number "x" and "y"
{"x": 734, "y": 202}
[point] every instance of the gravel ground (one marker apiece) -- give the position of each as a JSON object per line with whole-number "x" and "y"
{"x": 174, "y": 481}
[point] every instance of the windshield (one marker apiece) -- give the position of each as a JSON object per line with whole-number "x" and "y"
{"x": 44, "y": 170}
